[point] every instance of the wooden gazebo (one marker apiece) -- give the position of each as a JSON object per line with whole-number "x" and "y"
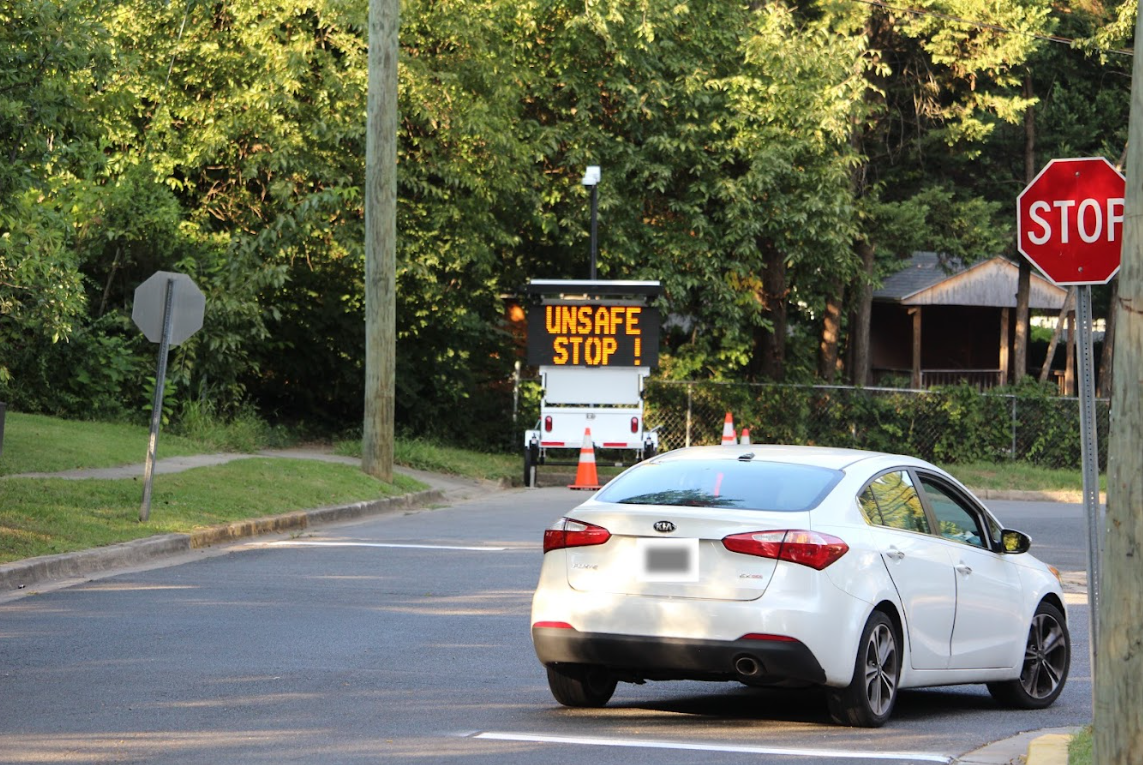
{"x": 946, "y": 324}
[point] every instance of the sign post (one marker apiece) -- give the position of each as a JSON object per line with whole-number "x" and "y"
{"x": 1069, "y": 224}
{"x": 168, "y": 308}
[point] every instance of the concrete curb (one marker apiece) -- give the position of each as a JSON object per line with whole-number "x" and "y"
{"x": 1060, "y": 495}
{"x": 1051, "y": 749}
{"x": 24, "y": 573}
{"x": 1020, "y": 749}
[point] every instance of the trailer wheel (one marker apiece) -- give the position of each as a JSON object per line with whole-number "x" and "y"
{"x": 648, "y": 450}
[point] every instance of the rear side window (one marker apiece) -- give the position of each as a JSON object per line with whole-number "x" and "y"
{"x": 892, "y": 500}
{"x": 734, "y": 484}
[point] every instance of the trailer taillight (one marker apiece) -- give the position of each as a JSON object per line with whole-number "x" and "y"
{"x": 634, "y": 424}
{"x": 548, "y": 423}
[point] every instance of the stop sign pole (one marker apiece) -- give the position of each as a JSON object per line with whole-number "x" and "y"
{"x": 1089, "y": 454}
{"x": 1069, "y": 224}
{"x": 157, "y": 404}
{"x": 181, "y": 305}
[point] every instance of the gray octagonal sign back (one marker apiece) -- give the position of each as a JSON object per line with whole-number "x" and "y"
{"x": 188, "y": 305}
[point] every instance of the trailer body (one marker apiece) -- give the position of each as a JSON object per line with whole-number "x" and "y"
{"x": 608, "y": 402}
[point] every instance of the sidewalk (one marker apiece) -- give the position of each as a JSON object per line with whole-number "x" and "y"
{"x": 446, "y": 483}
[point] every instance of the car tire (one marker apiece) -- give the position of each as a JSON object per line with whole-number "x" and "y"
{"x": 581, "y": 685}
{"x": 1047, "y": 659}
{"x": 867, "y": 702}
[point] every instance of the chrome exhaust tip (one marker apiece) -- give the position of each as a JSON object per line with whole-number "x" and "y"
{"x": 747, "y": 666}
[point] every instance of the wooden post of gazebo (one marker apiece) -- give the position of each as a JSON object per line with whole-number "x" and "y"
{"x": 915, "y": 312}
{"x": 1003, "y": 346}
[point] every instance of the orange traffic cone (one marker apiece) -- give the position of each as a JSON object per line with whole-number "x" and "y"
{"x": 728, "y": 436}
{"x": 585, "y": 475}
{"x": 745, "y": 436}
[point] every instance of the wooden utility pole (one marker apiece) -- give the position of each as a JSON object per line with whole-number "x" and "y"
{"x": 1107, "y": 358}
{"x": 381, "y": 240}
{"x": 1119, "y": 671}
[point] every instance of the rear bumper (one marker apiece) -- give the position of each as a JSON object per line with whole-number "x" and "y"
{"x": 655, "y": 658}
{"x": 637, "y": 443}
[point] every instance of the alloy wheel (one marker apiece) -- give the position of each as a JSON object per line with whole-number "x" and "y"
{"x": 1045, "y": 657}
{"x": 881, "y": 669}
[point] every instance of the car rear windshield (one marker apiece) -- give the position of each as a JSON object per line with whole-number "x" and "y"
{"x": 736, "y": 484}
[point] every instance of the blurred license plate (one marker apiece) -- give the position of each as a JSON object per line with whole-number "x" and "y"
{"x": 668, "y": 560}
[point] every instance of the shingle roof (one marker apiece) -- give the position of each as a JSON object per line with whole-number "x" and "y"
{"x": 924, "y": 271}
{"x": 986, "y": 283}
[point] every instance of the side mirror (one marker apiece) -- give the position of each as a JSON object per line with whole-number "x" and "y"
{"x": 1015, "y": 542}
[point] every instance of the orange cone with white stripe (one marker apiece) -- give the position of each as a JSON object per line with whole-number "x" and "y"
{"x": 729, "y": 437}
{"x": 745, "y": 436}
{"x": 585, "y": 475}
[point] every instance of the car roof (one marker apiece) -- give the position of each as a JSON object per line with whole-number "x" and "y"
{"x": 821, "y": 456}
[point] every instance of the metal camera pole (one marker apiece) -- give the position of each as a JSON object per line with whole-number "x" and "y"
{"x": 591, "y": 179}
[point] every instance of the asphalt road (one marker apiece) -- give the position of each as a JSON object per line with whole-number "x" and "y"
{"x": 404, "y": 639}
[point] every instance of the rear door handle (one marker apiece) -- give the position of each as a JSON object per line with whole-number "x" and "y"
{"x": 962, "y": 568}
{"x": 894, "y": 553}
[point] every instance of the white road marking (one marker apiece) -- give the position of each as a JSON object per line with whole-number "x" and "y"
{"x": 733, "y": 748}
{"x": 297, "y": 543}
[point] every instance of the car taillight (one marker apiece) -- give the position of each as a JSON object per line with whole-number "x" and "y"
{"x": 806, "y": 548}
{"x": 548, "y": 423}
{"x": 570, "y": 533}
{"x": 634, "y": 424}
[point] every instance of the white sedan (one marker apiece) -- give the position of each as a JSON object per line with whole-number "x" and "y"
{"x": 861, "y": 572}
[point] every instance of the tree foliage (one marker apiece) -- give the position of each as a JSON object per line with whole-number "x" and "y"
{"x": 768, "y": 162}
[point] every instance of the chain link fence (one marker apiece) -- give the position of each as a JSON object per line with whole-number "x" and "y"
{"x": 948, "y": 425}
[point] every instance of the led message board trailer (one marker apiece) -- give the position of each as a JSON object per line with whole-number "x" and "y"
{"x": 594, "y": 342}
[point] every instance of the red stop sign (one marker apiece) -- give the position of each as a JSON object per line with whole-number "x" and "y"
{"x": 1069, "y": 220}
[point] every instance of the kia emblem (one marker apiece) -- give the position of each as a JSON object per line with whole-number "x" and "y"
{"x": 664, "y": 527}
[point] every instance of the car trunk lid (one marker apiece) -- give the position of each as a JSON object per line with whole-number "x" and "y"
{"x": 675, "y": 552}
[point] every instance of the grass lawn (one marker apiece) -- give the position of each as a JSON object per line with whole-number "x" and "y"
{"x": 1020, "y": 476}
{"x": 37, "y": 444}
{"x": 1079, "y": 748}
{"x": 435, "y": 458}
{"x": 44, "y": 516}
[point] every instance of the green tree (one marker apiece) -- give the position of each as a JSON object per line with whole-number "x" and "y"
{"x": 724, "y": 157}
{"x": 767, "y": 162}
{"x": 54, "y": 56}
{"x": 944, "y": 77}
